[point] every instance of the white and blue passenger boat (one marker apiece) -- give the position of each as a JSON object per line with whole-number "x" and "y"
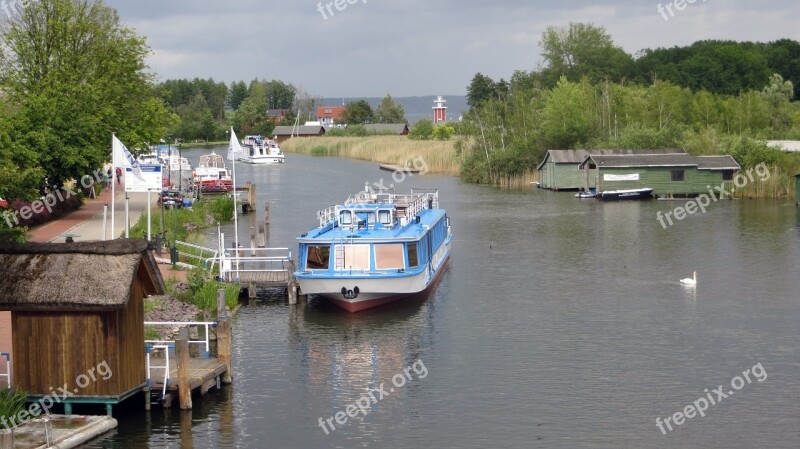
{"x": 375, "y": 248}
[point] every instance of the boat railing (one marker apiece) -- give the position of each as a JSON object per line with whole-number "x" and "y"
{"x": 7, "y": 374}
{"x": 327, "y": 216}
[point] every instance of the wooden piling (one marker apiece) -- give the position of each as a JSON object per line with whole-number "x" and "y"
{"x": 262, "y": 239}
{"x": 186, "y": 430}
{"x": 252, "y": 291}
{"x": 6, "y": 438}
{"x": 292, "y": 293}
{"x": 266, "y": 221}
{"x": 184, "y": 370}
{"x": 224, "y": 348}
{"x": 222, "y": 304}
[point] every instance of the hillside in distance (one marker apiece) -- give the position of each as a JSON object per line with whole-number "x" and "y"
{"x": 416, "y": 108}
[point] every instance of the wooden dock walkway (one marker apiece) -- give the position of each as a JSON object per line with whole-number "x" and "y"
{"x": 265, "y": 279}
{"x": 204, "y": 374}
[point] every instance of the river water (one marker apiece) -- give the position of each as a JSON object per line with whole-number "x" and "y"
{"x": 559, "y": 323}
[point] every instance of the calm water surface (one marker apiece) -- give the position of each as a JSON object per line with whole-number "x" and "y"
{"x": 558, "y": 324}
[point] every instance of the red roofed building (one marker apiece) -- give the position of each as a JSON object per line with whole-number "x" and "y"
{"x": 329, "y": 115}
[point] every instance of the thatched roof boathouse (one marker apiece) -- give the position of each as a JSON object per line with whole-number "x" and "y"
{"x": 77, "y": 312}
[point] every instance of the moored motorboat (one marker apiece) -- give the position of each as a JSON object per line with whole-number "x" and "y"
{"x": 261, "y": 151}
{"x": 375, "y": 248}
{"x": 211, "y": 175}
{"x": 630, "y": 194}
{"x": 592, "y": 193}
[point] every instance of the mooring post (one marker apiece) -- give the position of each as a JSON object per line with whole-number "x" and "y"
{"x": 252, "y": 291}
{"x": 224, "y": 348}
{"x": 222, "y": 304}
{"x": 186, "y": 429}
{"x": 262, "y": 241}
{"x": 6, "y": 438}
{"x": 184, "y": 369}
{"x": 292, "y": 293}
{"x": 147, "y": 399}
{"x": 266, "y": 221}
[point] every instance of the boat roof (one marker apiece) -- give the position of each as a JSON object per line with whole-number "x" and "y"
{"x": 405, "y": 228}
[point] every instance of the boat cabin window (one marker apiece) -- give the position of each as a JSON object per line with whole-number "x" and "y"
{"x": 345, "y": 218}
{"x": 352, "y": 257}
{"x": 413, "y": 257}
{"x": 366, "y": 218}
{"x": 385, "y": 217}
{"x": 389, "y": 257}
{"x": 318, "y": 257}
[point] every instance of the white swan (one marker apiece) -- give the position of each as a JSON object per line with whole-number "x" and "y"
{"x": 690, "y": 281}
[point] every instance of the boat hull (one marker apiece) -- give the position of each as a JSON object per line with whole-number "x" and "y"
{"x": 264, "y": 160}
{"x": 624, "y": 195}
{"x": 372, "y": 292}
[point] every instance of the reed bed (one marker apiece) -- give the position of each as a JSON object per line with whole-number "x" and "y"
{"x": 440, "y": 157}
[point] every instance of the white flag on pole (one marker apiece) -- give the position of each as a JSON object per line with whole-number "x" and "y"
{"x": 123, "y": 158}
{"x": 234, "y": 149}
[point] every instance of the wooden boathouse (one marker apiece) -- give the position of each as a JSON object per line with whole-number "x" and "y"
{"x": 669, "y": 175}
{"x": 561, "y": 169}
{"x": 77, "y": 313}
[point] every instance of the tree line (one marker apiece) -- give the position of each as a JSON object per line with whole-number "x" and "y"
{"x": 591, "y": 94}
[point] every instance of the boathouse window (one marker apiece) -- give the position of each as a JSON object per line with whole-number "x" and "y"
{"x": 385, "y": 217}
{"x": 318, "y": 257}
{"x": 413, "y": 258}
{"x": 389, "y": 257}
{"x": 678, "y": 175}
{"x": 727, "y": 175}
{"x": 355, "y": 257}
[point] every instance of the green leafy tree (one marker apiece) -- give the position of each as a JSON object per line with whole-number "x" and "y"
{"x": 566, "y": 122}
{"x": 236, "y": 94}
{"x": 777, "y": 95}
{"x": 583, "y": 50}
{"x": 358, "y": 113}
{"x": 389, "y": 111}
{"x": 422, "y": 130}
{"x": 77, "y": 75}
{"x": 480, "y": 90}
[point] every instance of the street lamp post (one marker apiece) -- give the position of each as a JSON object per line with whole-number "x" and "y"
{"x": 169, "y": 159}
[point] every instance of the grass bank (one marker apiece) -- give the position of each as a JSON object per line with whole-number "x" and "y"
{"x": 440, "y": 157}
{"x": 182, "y": 222}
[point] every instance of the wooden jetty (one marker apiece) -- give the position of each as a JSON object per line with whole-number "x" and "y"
{"x": 203, "y": 375}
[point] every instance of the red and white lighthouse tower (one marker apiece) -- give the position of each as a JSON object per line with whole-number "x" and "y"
{"x": 439, "y": 110}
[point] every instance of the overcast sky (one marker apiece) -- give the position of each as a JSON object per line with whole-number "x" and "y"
{"x": 413, "y": 47}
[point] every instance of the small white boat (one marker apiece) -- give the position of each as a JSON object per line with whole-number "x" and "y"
{"x": 211, "y": 175}
{"x": 261, "y": 151}
{"x": 592, "y": 193}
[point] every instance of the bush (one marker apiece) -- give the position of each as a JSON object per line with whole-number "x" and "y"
{"x": 222, "y": 208}
{"x": 422, "y": 130}
{"x": 11, "y": 403}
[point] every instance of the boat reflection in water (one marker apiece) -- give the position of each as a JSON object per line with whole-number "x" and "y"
{"x": 350, "y": 355}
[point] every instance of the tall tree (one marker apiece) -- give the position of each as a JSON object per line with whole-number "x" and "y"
{"x": 389, "y": 111}
{"x": 583, "y": 49}
{"x": 77, "y": 75}
{"x": 358, "y": 113}
{"x": 236, "y": 94}
{"x": 480, "y": 90}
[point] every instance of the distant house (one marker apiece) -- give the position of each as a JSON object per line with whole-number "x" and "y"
{"x": 560, "y": 169}
{"x": 400, "y": 129}
{"x": 276, "y": 115}
{"x": 330, "y": 115}
{"x": 669, "y": 175}
{"x": 77, "y": 310}
{"x": 284, "y": 133}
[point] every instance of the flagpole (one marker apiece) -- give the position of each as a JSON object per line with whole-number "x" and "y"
{"x": 113, "y": 184}
{"x": 235, "y": 210}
